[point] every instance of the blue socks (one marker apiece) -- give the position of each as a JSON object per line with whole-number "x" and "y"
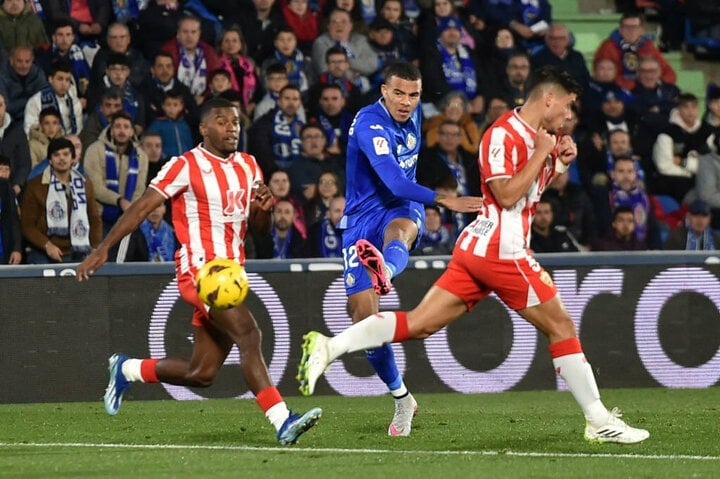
{"x": 383, "y": 361}
{"x": 396, "y": 256}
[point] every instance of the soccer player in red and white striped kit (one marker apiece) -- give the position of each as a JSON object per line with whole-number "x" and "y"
{"x": 215, "y": 194}
{"x": 519, "y": 155}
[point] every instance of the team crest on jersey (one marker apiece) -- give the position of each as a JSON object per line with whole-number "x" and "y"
{"x": 381, "y": 145}
{"x": 411, "y": 141}
{"x": 545, "y": 278}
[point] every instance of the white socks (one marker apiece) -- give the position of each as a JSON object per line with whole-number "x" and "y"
{"x": 578, "y": 376}
{"x": 278, "y": 414}
{"x": 131, "y": 370}
{"x": 371, "y": 332}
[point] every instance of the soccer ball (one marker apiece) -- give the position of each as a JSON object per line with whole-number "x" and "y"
{"x": 222, "y": 283}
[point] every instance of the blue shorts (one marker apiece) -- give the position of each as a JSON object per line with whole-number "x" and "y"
{"x": 372, "y": 228}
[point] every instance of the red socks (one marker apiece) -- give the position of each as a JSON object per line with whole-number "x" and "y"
{"x": 268, "y": 397}
{"x": 147, "y": 370}
{"x": 401, "y": 327}
{"x": 565, "y": 347}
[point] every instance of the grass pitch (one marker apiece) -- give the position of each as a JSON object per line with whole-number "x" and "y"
{"x": 514, "y": 434}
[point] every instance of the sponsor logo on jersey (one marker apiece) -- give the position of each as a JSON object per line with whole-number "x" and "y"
{"x": 408, "y": 162}
{"x": 381, "y": 145}
{"x": 376, "y": 127}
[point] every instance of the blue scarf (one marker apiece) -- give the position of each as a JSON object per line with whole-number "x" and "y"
{"x": 285, "y": 139}
{"x": 330, "y": 131}
{"x": 458, "y": 172}
{"x": 330, "y": 240}
{"x": 281, "y": 249}
{"x": 48, "y": 99}
{"x": 695, "y": 241}
{"x": 629, "y": 54}
{"x": 459, "y": 70}
{"x": 638, "y": 201}
{"x": 294, "y": 68}
{"x": 161, "y": 242}
{"x": 111, "y": 212}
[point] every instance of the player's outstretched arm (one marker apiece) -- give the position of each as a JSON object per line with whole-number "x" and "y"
{"x": 461, "y": 204}
{"x": 126, "y": 224}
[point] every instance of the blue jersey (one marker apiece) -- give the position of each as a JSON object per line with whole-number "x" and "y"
{"x": 382, "y": 157}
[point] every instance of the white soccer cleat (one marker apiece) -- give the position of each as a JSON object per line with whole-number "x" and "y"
{"x": 314, "y": 360}
{"x": 405, "y": 410}
{"x": 615, "y": 430}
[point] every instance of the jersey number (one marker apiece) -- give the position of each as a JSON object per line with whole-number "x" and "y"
{"x": 350, "y": 259}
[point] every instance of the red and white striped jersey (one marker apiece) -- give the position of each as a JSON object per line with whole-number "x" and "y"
{"x": 210, "y": 199}
{"x": 499, "y": 233}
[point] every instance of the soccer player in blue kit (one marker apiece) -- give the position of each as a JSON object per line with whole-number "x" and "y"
{"x": 385, "y": 213}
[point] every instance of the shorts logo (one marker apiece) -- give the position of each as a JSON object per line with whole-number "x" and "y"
{"x": 381, "y": 145}
{"x": 350, "y": 279}
{"x": 545, "y": 278}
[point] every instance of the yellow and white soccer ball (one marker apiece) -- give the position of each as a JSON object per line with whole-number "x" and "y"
{"x": 222, "y": 283}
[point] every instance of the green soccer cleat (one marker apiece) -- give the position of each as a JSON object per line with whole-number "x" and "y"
{"x": 314, "y": 361}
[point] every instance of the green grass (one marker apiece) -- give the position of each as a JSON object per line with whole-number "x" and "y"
{"x": 516, "y": 434}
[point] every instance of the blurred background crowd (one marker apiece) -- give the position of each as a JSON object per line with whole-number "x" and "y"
{"x": 96, "y": 95}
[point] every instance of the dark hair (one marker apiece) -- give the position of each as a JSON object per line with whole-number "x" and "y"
{"x": 62, "y": 65}
{"x": 622, "y": 209}
{"x": 175, "y": 94}
{"x": 684, "y": 98}
{"x": 314, "y": 126}
{"x": 633, "y": 14}
{"x": 403, "y": 70}
{"x": 231, "y": 95}
{"x": 284, "y": 29}
{"x": 117, "y": 59}
{"x": 548, "y": 75}
{"x": 330, "y": 86}
{"x": 112, "y": 93}
{"x": 213, "y": 104}
{"x": 289, "y": 86}
{"x": 119, "y": 115}
{"x": 62, "y": 23}
{"x": 49, "y": 111}
{"x": 624, "y": 158}
{"x": 162, "y": 54}
{"x": 57, "y": 144}
{"x": 4, "y": 160}
{"x": 275, "y": 68}
{"x": 335, "y": 50}
{"x": 218, "y": 72}
{"x": 188, "y": 16}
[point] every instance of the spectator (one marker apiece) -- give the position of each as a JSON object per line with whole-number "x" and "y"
{"x": 626, "y": 45}
{"x": 274, "y": 139}
{"x": 626, "y": 190}
{"x": 363, "y": 60}
{"x": 156, "y": 25}
{"x": 678, "y": 148}
{"x": 515, "y": 81}
{"x": 276, "y": 79}
{"x": 192, "y": 57}
{"x": 10, "y": 237}
{"x": 175, "y": 132}
{"x": 334, "y": 118}
{"x": 696, "y": 234}
{"x": 119, "y": 42}
{"x": 707, "y": 180}
{"x": 19, "y": 26}
{"x": 360, "y": 12}
{"x": 596, "y": 165}
{"x": 381, "y": 37}
{"x": 496, "y": 107}
{"x": 613, "y": 115}
{"x": 572, "y": 209}
{"x": 711, "y": 118}
{"x": 98, "y": 119}
{"x": 58, "y": 95}
{"x": 39, "y": 168}
{"x": 312, "y": 162}
{"x": 454, "y": 107}
{"x": 558, "y": 52}
{"x": 287, "y": 241}
{"x": 117, "y": 168}
{"x": 14, "y": 146}
{"x": 450, "y": 66}
{"x": 546, "y": 237}
{"x": 430, "y": 20}
{"x": 159, "y": 236}
{"x": 598, "y": 87}
{"x": 152, "y": 145}
{"x": 48, "y": 129}
{"x": 163, "y": 79}
{"x": 20, "y": 79}
{"x": 328, "y": 187}
{"x": 90, "y": 17}
{"x": 218, "y": 82}
{"x": 285, "y": 52}
{"x": 621, "y": 237}
{"x": 117, "y": 75}
{"x": 234, "y": 58}
{"x": 436, "y": 238}
{"x": 534, "y": 18}
{"x": 64, "y": 48}
{"x": 303, "y": 21}
{"x": 259, "y": 21}
{"x": 403, "y": 29}
{"x": 494, "y": 58}
{"x": 338, "y": 73}
{"x": 60, "y": 219}
{"x": 281, "y": 188}
{"x": 324, "y": 239}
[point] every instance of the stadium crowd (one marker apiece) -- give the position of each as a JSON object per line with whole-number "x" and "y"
{"x": 122, "y": 82}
